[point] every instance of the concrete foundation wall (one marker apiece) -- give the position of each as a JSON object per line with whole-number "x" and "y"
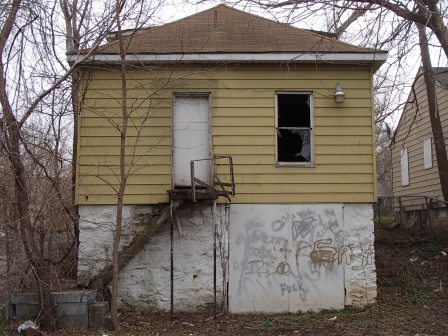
{"x": 282, "y": 257}
{"x": 288, "y": 258}
{"x": 145, "y": 281}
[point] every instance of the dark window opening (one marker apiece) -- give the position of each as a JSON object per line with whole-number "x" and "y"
{"x": 293, "y": 127}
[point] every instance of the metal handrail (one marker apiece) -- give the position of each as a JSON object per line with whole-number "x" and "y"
{"x": 216, "y": 181}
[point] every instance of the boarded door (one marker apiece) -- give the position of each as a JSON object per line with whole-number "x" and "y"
{"x": 191, "y": 137}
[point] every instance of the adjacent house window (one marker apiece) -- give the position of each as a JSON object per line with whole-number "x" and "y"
{"x": 427, "y": 153}
{"x": 294, "y": 128}
{"x": 404, "y": 167}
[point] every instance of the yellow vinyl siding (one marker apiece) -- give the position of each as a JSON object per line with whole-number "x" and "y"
{"x": 110, "y": 141}
{"x": 249, "y": 170}
{"x": 243, "y": 126}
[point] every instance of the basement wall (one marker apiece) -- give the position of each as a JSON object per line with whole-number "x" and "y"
{"x": 283, "y": 258}
{"x": 145, "y": 281}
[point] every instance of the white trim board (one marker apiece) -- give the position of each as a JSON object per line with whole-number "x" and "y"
{"x": 376, "y": 58}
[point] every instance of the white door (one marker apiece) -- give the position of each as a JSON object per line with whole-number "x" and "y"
{"x": 191, "y": 138}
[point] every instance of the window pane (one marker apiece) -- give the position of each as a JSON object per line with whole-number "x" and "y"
{"x": 293, "y": 110}
{"x": 294, "y": 145}
{"x": 404, "y": 167}
{"x": 427, "y": 153}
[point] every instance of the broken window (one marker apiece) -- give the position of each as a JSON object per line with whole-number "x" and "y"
{"x": 294, "y": 127}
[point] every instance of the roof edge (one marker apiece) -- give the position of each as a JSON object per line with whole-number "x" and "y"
{"x": 376, "y": 59}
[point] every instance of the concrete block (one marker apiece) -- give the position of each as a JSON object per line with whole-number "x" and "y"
{"x": 74, "y": 296}
{"x": 72, "y": 308}
{"x": 26, "y": 310}
{"x": 24, "y": 298}
{"x": 25, "y": 305}
{"x": 74, "y": 321}
{"x": 99, "y": 315}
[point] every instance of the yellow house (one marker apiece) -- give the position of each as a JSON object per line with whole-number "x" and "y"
{"x": 260, "y": 137}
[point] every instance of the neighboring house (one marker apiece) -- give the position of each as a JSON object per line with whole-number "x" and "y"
{"x": 298, "y": 232}
{"x": 416, "y": 182}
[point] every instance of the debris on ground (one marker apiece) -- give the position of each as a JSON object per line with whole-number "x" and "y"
{"x": 412, "y": 300}
{"x": 29, "y": 328}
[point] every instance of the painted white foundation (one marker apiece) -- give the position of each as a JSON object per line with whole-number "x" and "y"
{"x": 270, "y": 265}
{"x": 360, "y": 275}
{"x": 283, "y": 258}
{"x": 289, "y": 258}
{"x": 145, "y": 281}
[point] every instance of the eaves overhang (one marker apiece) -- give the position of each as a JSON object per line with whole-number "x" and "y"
{"x": 376, "y": 59}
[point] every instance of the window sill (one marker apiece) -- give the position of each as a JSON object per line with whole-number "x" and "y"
{"x": 295, "y": 164}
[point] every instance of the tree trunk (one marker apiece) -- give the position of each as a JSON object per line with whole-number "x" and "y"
{"x": 48, "y": 308}
{"x": 21, "y": 190}
{"x": 437, "y": 130}
{"x": 76, "y": 111}
{"x": 123, "y": 175}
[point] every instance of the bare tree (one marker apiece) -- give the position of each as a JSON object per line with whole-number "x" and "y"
{"x": 135, "y": 14}
{"x": 123, "y": 174}
{"x": 429, "y": 13}
{"x": 29, "y": 35}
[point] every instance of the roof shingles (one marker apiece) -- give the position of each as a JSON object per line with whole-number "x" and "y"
{"x": 223, "y": 29}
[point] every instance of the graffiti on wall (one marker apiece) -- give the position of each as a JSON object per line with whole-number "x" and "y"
{"x": 292, "y": 253}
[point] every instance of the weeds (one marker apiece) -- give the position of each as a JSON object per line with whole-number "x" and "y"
{"x": 389, "y": 282}
{"x": 418, "y": 292}
{"x": 267, "y": 324}
{"x": 2, "y": 325}
{"x": 250, "y": 325}
{"x": 293, "y": 319}
{"x": 384, "y": 220}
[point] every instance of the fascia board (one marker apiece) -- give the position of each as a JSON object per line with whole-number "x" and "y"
{"x": 378, "y": 58}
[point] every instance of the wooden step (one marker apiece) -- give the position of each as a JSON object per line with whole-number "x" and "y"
{"x": 186, "y": 194}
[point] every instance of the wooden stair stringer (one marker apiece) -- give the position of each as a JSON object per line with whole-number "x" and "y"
{"x": 105, "y": 276}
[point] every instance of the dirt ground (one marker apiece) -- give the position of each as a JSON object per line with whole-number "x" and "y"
{"x": 412, "y": 300}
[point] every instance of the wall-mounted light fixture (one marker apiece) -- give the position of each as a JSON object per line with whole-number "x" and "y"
{"x": 339, "y": 95}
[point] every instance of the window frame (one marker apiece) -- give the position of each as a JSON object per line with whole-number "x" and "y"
{"x": 427, "y": 154}
{"x": 404, "y": 167}
{"x": 311, "y": 129}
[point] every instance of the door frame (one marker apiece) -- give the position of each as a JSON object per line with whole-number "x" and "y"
{"x": 206, "y": 94}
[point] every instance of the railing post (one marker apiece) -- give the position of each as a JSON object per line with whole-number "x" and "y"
{"x": 171, "y": 261}
{"x": 232, "y": 178}
{"x": 193, "y": 187}
{"x": 379, "y": 211}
